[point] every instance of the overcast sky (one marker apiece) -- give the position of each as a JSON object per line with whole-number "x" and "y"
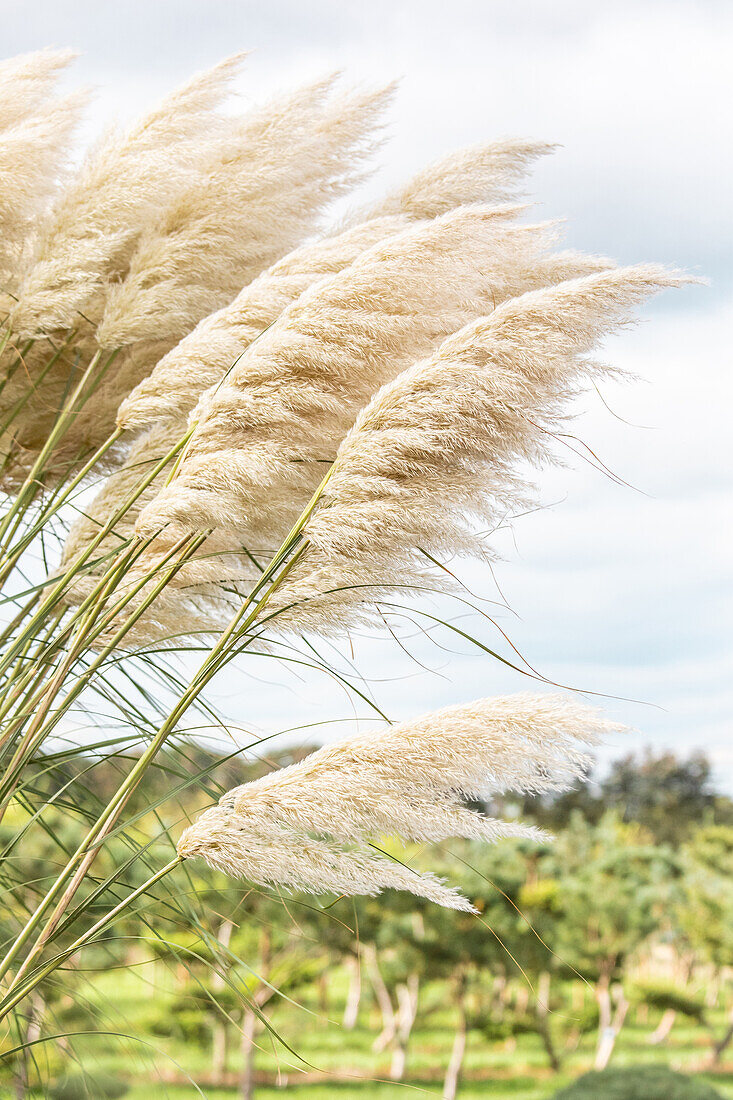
{"x": 623, "y": 591}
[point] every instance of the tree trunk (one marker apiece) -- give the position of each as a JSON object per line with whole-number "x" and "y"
{"x": 665, "y": 1025}
{"x": 353, "y": 997}
{"x": 36, "y": 1009}
{"x": 521, "y": 1001}
{"x": 453, "y": 1073}
{"x": 498, "y": 998}
{"x": 542, "y": 1011}
{"x": 609, "y": 1022}
{"x": 384, "y": 1000}
{"x": 720, "y": 1046}
{"x": 713, "y": 991}
{"x": 323, "y": 992}
{"x": 220, "y": 1035}
{"x": 407, "y": 1010}
{"x": 247, "y": 1048}
{"x": 219, "y": 1050}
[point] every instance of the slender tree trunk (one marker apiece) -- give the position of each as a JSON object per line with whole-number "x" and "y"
{"x": 219, "y": 1050}
{"x": 542, "y": 1009}
{"x": 610, "y": 1022}
{"x": 323, "y": 992}
{"x": 353, "y": 997}
{"x": 453, "y": 1072}
{"x": 384, "y": 1000}
{"x": 247, "y": 1049}
{"x": 663, "y": 1028}
{"x": 521, "y": 1001}
{"x": 720, "y": 1046}
{"x": 220, "y": 1035}
{"x": 497, "y": 1001}
{"x": 407, "y": 995}
{"x": 713, "y": 991}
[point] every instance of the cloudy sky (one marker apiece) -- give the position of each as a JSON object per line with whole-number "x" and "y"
{"x": 619, "y": 590}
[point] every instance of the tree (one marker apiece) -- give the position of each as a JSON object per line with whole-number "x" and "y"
{"x": 704, "y": 911}
{"x": 613, "y": 896}
{"x": 667, "y": 795}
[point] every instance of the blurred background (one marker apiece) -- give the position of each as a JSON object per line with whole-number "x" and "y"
{"x": 615, "y": 944}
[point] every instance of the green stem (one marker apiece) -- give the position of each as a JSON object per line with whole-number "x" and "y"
{"x": 15, "y": 995}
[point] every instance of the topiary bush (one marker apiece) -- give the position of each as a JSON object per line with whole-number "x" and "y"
{"x": 637, "y": 1083}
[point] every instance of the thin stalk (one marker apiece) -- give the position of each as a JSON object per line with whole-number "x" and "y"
{"x": 77, "y": 565}
{"x": 29, "y": 487}
{"x": 9, "y": 1003}
{"x": 54, "y": 507}
{"x": 241, "y": 622}
{"x": 40, "y": 728}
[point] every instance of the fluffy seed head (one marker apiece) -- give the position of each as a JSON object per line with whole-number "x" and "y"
{"x": 487, "y": 173}
{"x": 482, "y": 174}
{"x": 441, "y": 449}
{"x": 35, "y": 140}
{"x": 308, "y": 826}
{"x": 27, "y": 81}
{"x": 122, "y": 184}
{"x": 203, "y": 358}
{"x": 289, "y": 400}
{"x": 266, "y": 182}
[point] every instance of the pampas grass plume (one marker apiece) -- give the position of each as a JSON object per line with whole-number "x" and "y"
{"x": 285, "y": 406}
{"x": 439, "y": 453}
{"x": 261, "y": 190}
{"x": 123, "y": 183}
{"x": 308, "y": 826}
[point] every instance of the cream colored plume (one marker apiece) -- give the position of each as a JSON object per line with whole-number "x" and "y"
{"x": 442, "y": 450}
{"x": 489, "y": 173}
{"x": 123, "y": 183}
{"x": 34, "y": 149}
{"x": 27, "y": 81}
{"x": 482, "y": 174}
{"x": 259, "y": 186}
{"x": 202, "y": 359}
{"x": 308, "y": 826}
{"x": 261, "y": 191}
{"x": 222, "y": 569}
{"x": 265, "y": 434}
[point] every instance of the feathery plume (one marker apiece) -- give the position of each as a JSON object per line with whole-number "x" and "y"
{"x": 287, "y": 403}
{"x": 265, "y": 185}
{"x": 487, "y": 173}
{"x": 202, "y": 359}
{"x": 308, "y": 826}
{"x": 481, "y": 174}
{"x": 439, "y": 450}
{"x": 259, "y": 189}
{"x": 221, "y": 569}
{"x": 121, "y": 185}
{"x": 33, "y": 154}
{"x": 27, "y": 81}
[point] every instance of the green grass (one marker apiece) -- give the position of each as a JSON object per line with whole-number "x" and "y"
{"x": 132, "y": 1003}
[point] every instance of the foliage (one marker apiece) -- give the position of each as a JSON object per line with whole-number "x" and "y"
{"x": 88, "y": 1086}
{"x": 638, "y": 1083}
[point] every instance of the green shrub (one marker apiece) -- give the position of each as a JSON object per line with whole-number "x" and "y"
{"x": 88, "y": 1086}
{"x": 664, "y": 996}
{"x": 637, "y": 1083}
